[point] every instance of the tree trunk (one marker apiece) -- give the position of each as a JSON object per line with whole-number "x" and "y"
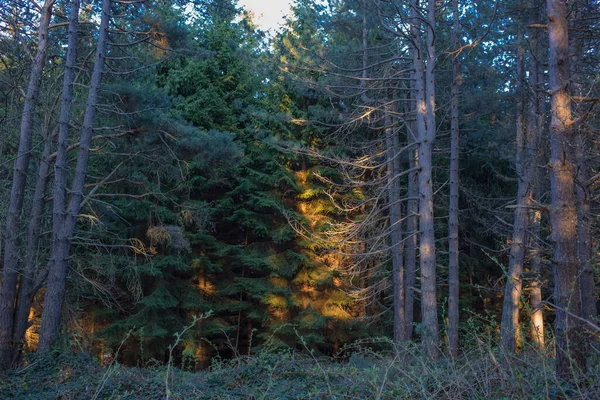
{"x": 395, "y": 218}
{"x": 425, "y": 97}
{"x": 453, "y": 263}
{"x": 411, "y": 221}
{"x": 27, "y": 288}
{"x": 62, "y": 236}
{"x": 8, "y": 292}
{"x": 535, "y": 121}
{"x": 535, "y": 286}
{"x": 585, "y": 239}
{"x": 563, "y": 215}
{"x": 509, "y": 329}
{"x": 585, "y": 253}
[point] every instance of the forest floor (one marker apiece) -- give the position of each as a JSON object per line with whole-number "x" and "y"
{"x": 480, "y": 374}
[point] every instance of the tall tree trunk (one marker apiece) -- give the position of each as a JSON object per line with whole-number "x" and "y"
{"x": 28, "y": 276}
{"x": 535, "y": 121}
{"x": 563, "y": 215}
{"x": 509, "y": 330}
{"x": 411, "y": 227}
{"x": 10, "y": 274}
{"x": 535, "y": 286}
{"x": 453, "y": 263}
{"x": 425, "y": 97}
{"x": 62, "y": 235}
{"x": 395, "y": 218}
{"x": 585, "y": 253}
{"x": 585, "y": 238}
{"x": 29, "y": 286}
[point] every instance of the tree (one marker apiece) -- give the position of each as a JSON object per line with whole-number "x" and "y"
{"x": 10, "y": 273}
{"x": 453, "y": 255}
{"x": 583, "y": 158}
{"x": 535, "y": 125}
{"x": 424, "y": 64}
{"x": 66, "y": 215}
{"x": 563, "y": 214}
{"x": 526, "y": 173}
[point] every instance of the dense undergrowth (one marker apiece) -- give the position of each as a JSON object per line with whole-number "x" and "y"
{"x": 358, "y": 372}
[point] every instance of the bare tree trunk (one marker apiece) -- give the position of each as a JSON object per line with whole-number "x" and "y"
{"x": 29, "y": 287}
{"x": 425, "y": 97}
{"x": 395, "y": 217}
{"x": 535, "y": 121}
{"x": 453, "y": 263}
{"x": 585, "y": 238}
{"x": 563, "y": 216}
{"x": 62, "y": 235}
{"x": 13, "y": 220}
{"x": 27, "y": 283}
{"x": 509, "y": 330}
{"x": 535, "y": 287}
{"x": 585, "y": 254}
{"x": 411, "y": 222}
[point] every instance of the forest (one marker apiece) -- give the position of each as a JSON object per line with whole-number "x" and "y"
{"x": 382, "y": 199}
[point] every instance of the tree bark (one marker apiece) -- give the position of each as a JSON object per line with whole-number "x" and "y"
{"x": 535, "y": 286}
{"x": 585, "y": 240}
{"x": 585, "y": 253}
{"x": 563, "y": 215}
{"x": 62, "y": 234}
{"x": 395, "y": 219}
{"x": 453, "y": 263}
{"x": 8, "y": 292}
{"x": 411, "y": 229}
{"x": 425, "y": 115}
{"x": 412, "y": 215}
{"x": 509, "y": 329}
{"x": 535, "y": 121}
{"x": 27, "y": 288}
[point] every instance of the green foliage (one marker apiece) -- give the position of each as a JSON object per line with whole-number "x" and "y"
{"x": 371, "y": 369}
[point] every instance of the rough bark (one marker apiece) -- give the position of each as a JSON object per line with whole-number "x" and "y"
{"x": 585, "y": 252}
{"x": 10, "y": 274}
{"x": 410, "y": 250}
{"x": 585, "y": 239}
{"x": 27, "y": 287}
{"x": 453, "y": 263}
{"x": 62, "y": 234}
{"x": 509, "y": 329}
{"x": 535, "y": 286}
{"x": 395, "y": 219}
{"x": 563, "y": 215}
{"x": 534, "y": 129}
{"x": 425, "y": 115}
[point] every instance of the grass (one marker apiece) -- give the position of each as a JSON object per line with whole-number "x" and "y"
{"x": 392, "y": 372}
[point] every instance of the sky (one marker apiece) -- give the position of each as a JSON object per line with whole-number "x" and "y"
{"x": 268, "y": 13}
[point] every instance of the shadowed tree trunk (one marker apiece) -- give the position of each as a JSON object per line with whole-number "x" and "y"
{"x": 535, "y": 287}
{"x": 585, "y": 253}
{"x": 535, "y": 123}
{"x": 453, "y": 264}
{"x": 27, "y": 285}
{"x": 411, "y": 244}
{"x": 412, "y": 222}
{"x": 563, "y": 215}
{"x": 66, "y": 219}
{"x": 426, "y": 130}
{"x": 509, "y": 330}
{"x": 395, "y": 218}
{"x": 585, "y": 240}
{"x": 10, "y": 274}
